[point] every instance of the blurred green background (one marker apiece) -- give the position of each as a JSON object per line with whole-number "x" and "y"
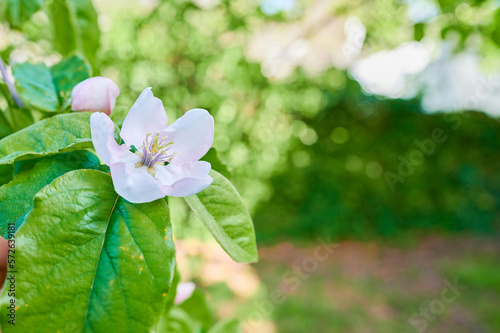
{"x": 372, "y": 124}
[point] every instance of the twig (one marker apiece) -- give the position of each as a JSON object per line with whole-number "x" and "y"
{"x": 9, "y": 83}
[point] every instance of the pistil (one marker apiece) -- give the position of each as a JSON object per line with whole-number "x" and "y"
{"x": 154, "y": 150}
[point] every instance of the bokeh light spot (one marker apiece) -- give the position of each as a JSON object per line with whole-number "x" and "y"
{"x": 374, "y": 170}
{"x": 340, "y": 135}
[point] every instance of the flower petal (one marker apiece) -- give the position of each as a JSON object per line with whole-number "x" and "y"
{"x": 110, "y": 152}
{"x": 192, "y": 134}
{"x": 184, "y": 291}
{"x": 113, "y": 93}
{"x": 135, "y": 184}
{"x": 95, "y": 94}
{"x": 147, "y": 115}
{"x": 183, "y": 180}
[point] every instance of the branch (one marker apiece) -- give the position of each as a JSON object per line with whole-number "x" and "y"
{"x": 9, "y": 83}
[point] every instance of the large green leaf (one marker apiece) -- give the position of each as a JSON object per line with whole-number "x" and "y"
{"x": 227, "y": 326}
{"x": 16, "y": 197}
{"x": 20, "y": 10}
{"x": 45, "y": 88}
{"x": 75, "y": 27}
{"x": 89, "y": 261}
{"x": 61, "y": 133}
{"x": 222, "y": 211}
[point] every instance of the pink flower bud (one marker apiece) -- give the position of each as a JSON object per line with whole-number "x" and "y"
{"x": 95, "y": 94}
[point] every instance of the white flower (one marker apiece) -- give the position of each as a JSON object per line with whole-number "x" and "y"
{"x": 156, "y": 160}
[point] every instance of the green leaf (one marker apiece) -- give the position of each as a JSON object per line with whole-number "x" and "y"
{"x": 16, "y": 197}
{"x": 61, "y": 133}
{"x": 4, "y": 90}
{"x": 173, "y": 290}
{"x": 22, "y": 167}
{"x": 19, "y": 11}
{"x": 5, "y": 128}
{"x": 227, "y": 326}
{"x": 35, "y": 86}
{"x": 212, "y": 156}
{"x": 89, "y": 261}
{"x": 63, "y": 31}
{"x": 178, "y": 321}
{"x": 418, "y": 31}
{"x": 198, "y": 309}
{"x": 222, "y": 211}
{"x": 163, "y": 323}
{"x": 495, "y": 34}
{"x": 45, "y": 88}
{"x": 67, "y": 74}
{"x": 6, "y": 174}
{"x": 75, "y": 27}
{"x": 19, "y": 118}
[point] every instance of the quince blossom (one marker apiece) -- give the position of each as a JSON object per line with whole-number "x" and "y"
{"x": 156, "y": 160}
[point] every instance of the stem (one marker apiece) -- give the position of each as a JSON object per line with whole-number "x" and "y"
{"x": 9, "y": 83}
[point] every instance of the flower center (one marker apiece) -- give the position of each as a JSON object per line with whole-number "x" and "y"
{"x": 154, "y": 150}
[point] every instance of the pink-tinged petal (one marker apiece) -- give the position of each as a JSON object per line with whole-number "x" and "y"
{"x": 192, "y": 134}
{"x": 135, "y": 184}
{"x": 183, "y": 180}
{"x": 95, "y": 94}
{"x": 147, "y": 115}
{"x": 184, "y": 291}
{"x": 110, "y": 152}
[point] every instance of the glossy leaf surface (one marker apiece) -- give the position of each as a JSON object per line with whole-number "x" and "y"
{"x": 222, "y": 211}
{"x": 91, "y": 261}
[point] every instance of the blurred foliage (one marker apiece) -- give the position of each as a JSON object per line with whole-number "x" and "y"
{"x": 359, "y": 141}
{"x": 308, "y": 153}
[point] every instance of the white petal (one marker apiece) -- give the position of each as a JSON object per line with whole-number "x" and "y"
{"x": 147, "y": 115}
{"x": 183, "y": 180}
{"x": 192, "y": 134}
{"x": 135, "y": 184}
{"x": 184, "y": 291}
{"x": 110, "y": 152}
